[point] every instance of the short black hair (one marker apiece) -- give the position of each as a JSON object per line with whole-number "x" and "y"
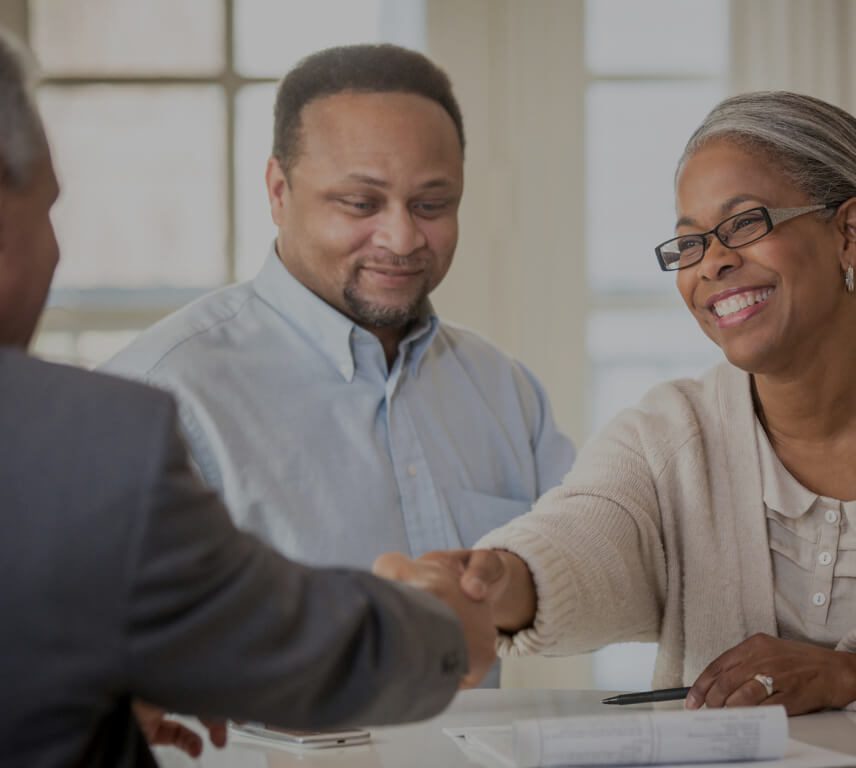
{"x": 363, "y": 68}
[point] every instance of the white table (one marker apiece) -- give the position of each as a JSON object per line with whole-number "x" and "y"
{"x": 424, "y": 745}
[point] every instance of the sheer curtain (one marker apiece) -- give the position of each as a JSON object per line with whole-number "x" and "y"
{"x": 797, "y": 46}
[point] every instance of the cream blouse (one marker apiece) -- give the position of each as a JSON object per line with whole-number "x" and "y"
{"x": 813, "y": 549}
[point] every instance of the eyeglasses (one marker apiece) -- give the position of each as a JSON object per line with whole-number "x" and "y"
{"x": 734, "y": 232}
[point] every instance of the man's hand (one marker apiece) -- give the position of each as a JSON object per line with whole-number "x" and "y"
{"x": 805, "y": 677}
{"x": 161, "y": 731}
{"x": 498, "y": 577}
{"x": 442, "y": 581}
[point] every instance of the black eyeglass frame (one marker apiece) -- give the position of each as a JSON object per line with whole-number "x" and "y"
{"x": 772, "y": 217}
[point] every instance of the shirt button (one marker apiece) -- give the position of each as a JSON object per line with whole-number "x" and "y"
{"x": 411, "y": 470}
{"x": 824, "y": 558}
{"x": 831, "y": 515}
{"x": 818, "y": 598}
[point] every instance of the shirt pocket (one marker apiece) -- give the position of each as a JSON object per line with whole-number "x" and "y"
{"x": 789, "y": 545}
{"x": 477, "y": 513}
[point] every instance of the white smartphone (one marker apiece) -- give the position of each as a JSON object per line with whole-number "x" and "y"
{"x": 306, "y": 739}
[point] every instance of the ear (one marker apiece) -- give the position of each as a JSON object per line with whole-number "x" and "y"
{"x": 846, "y": 217}
{"x": 277, "y": 189}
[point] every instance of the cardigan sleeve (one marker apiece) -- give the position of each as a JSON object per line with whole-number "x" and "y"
{"x": 595, "y": 548}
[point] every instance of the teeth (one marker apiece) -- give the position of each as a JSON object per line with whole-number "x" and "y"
{"x": 740, "y": 301}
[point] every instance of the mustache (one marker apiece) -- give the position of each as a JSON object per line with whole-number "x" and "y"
{"x": 410, "y": 261}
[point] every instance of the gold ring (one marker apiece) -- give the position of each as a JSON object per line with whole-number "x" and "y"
{"x": 766, "y": 681}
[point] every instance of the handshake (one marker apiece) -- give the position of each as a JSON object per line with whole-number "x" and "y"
{"x": 487, "y": 589}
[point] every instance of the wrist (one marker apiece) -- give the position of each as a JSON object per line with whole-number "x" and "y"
{"x": 516, "y": 606}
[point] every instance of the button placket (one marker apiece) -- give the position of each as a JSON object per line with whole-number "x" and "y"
{"x": 419, "y": 504}
{"x": 827, "y": 554}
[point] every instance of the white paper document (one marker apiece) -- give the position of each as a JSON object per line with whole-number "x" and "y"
{"x": 707, "y": 736}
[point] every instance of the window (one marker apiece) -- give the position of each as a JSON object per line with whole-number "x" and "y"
{"x": 160, "y": 117}
{"x": 654, "y": 70}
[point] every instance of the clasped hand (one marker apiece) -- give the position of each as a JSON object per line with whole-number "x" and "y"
{"x": 440, "y": 576}
{"x": 488, "y": 589}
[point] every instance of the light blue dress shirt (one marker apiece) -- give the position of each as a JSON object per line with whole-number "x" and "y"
{"x": 291, "y": 413}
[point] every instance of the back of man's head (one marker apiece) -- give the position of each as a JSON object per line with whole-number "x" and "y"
{"x": 21, "y": 137}
{"x": 381, "y": 68}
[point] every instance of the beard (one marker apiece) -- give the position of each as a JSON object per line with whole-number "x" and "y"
{"x": 373, "y": 314}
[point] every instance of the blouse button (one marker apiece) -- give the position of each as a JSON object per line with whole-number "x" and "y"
{"x": 824, "y": 558}
{"x": 831, "y": 515}
{"x": 818, "y": 598}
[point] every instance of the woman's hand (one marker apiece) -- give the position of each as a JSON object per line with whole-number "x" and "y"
{"x": 498, "y": 577}
{"x": 159, "y": 730}
{"x": 805, "y": 677}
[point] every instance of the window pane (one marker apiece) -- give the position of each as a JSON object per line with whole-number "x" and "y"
{"x": 253, "y": 137}
{"x": 128, "y": 36}
{"x": 683, "y": 37}
{"x": 97, "y": 347}
{"x": 272, "y": 35}
{"x": 635, "y": 133}
{"x": 632, "y": 350}
{"x": 143, "y": 178}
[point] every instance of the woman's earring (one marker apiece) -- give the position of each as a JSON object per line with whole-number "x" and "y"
{"x": 849, "y": 281}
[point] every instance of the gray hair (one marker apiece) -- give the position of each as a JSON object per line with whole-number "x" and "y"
{"x": 811, "y": 142}
{"x": 21, "y": 134}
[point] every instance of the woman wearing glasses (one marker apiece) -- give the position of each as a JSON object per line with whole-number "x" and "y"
{"x": 718, "y": 517}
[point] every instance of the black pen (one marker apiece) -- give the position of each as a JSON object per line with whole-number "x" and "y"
{"x": 646, "y": 697}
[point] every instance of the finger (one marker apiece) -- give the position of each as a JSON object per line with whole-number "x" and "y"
{"x": 474, "y": 677}
{"x": 737, "y": 686}
{"x": 171, "y": 733}
{"x": 700, "y": 690}
{"x": 484, "y": 569}
{"x": 750, "y": 694}
{"x": 393, "y": 565}
{"x": 217, "y": 732}
{"x": 454, "y": 559}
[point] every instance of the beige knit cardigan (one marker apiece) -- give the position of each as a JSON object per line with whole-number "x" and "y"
{"x": 658, "y": 533}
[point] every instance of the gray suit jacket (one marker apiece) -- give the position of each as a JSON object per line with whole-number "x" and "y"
{"x": 121, "y": 577}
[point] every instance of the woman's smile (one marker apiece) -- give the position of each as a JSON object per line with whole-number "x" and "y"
{"x": 736, "y": 305}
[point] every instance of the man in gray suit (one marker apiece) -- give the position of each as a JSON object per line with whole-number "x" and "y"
{"x": 123, "y": 579}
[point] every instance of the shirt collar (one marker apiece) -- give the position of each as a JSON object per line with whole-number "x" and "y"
{"x": 783, "y": 493}
{"x": 419, "y": 338}
{"x": 331, "y": 331}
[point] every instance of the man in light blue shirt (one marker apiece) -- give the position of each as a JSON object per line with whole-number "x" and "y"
{"x": 337, "y": 415}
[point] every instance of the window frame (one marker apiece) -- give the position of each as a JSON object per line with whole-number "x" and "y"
{"x": 77, "y": 310}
